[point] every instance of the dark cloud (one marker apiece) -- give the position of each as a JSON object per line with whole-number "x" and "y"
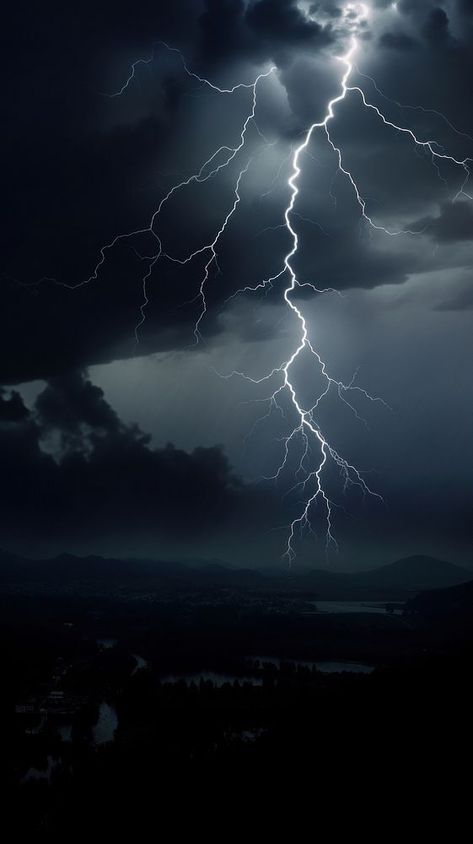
{"x": 223, "y": 27}
{"x": 458, "y": 299}
{"x": 282, "y": 21}
{"x": 436, "y": 28}
{"x": 398, "y": 41}
{"x": 328, "y": 7}
{"x": 454, "y": 223}
{"x": 259, "y": 30}
{"x": 465, "y": 7}
{"x": 70, "y": 402}
{"x": 105, "y": 480}
{"x": 12, "y": 408}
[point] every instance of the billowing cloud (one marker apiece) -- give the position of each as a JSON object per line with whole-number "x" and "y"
{"x": 453, "y": 223}
{"x": 73, "y": 472}
{"x": 84, "y": 168}
{"x": 397, "y": 41}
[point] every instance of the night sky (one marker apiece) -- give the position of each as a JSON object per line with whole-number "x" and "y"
{"x": 117, "y": 435}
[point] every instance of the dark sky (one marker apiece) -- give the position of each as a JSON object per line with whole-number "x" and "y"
{"x": 87, "y": 413}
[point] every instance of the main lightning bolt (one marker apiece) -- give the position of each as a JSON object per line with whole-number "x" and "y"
{"x": 306, "y": 427}
{"x": 306, "y": 432}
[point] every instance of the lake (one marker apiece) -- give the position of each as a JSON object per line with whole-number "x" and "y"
{"x": 219, "y": 680}
{"x": 42, "y": 773}
{"x": 139, "y": 663}
{"x": 357, "y": 607}
{"x": 326, "y": 666}
{"x": 106, "y": 725}
{"x": 107, "y": 643}
{"x": 213, "y": 677}
{"x": 65, "y": 731}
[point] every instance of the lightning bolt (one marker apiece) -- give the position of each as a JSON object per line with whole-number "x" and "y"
{"x": 307, "y": 428}
{"x": 306, "y": 441}
{"x": 218, "y": 160}
{"x": 306, "y": 433}
{"x": 146, "y": 62}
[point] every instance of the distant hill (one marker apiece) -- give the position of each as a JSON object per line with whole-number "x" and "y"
{"x": 401, "y": 578}
{"x": 67, "y": 571}
{"x": 417, "y": 572}
{"x": 456, "y": 600}
{"x": 395, "y": 581}
{"x": 103, "y": 575}
{"x": 448, "y": 612}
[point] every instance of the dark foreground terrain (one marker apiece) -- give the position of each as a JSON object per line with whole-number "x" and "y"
{"x": 146, "y": 696}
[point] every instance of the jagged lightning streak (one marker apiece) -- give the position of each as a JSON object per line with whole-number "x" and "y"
{"x": 306, "y": 427}
{"x": 208, "y": 170}
{"x": 211, "y": 248}
{"x": 426, "y": 145}
{"x": 189, "y": 72}
{"x": 409, "y": 107}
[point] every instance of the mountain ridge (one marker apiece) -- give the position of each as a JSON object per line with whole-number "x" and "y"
{"x": 400, "y": 578}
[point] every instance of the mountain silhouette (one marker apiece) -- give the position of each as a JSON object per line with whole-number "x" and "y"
{"x": 400, "y": 579}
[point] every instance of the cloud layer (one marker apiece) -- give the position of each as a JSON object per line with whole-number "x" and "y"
{"x": 74, "y": 473}
{"x": 83, "y": 167}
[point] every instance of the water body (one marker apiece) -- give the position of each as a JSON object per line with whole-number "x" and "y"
{"x": 41, "y": 774}
{"x": 217, "y": 679}
{"x": 65, "y": 731}
{"x": 251, "y": 735}
{"x": 106, "y": 725}
{"x": 323, "y": 665}
{"x": 34, "y": 731}
{"x": 140, "y": 663}
{"x": 328, "y": 667}
{"x": 106, "y": 644}
{"x": 335, "y": 607}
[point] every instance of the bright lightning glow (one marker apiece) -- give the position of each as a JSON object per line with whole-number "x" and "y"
{"x": 306, "y": 428}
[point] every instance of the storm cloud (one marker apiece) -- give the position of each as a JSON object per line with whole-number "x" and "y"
{"x": 453, "y": 223}
{"x": 83, "y": 166}
{"x": 73, "y": 472}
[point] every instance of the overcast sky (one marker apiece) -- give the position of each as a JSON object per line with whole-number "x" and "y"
{"x": 96, "y": 386}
